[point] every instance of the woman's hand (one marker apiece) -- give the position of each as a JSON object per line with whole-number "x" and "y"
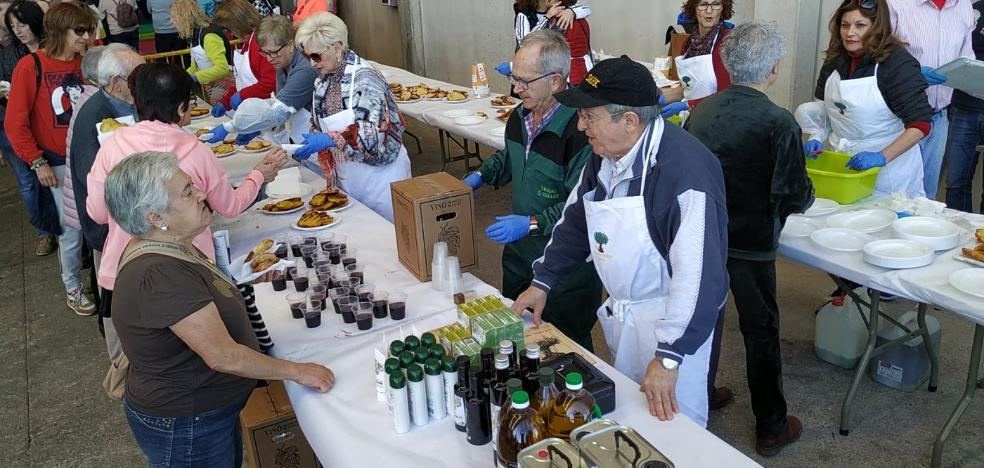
{"x": 46, "y": 175}
{"x": 563, "y": 16}
{"x": 314, "y": 376}
{"x": 271, "y": 164}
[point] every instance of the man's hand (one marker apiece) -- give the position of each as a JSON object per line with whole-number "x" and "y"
{"x": 46, "y": 175}
{"x": 314, "y": 376}
{"x": 659, "y": 386}
{"x": 533, "y": 298}
{"x": 271, "y": 164}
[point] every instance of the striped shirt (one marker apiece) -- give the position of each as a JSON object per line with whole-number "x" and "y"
{"x": 532, "y": 131}
{"x": 935, "y": 37}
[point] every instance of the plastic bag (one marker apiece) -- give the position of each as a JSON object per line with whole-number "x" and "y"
{"x": 812, "y": 118}
{"x": 255, "y": 114}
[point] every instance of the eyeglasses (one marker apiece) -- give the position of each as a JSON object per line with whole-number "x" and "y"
{"x": 275, "y": 52}
{"x": 525, "y": 84}
{"x": 315, "y": 57}
{"x": 83, "y": 30}
{"x": 866, "y": 4}
{"x": 590, "y": 119}
{"x": 710, "y": 6}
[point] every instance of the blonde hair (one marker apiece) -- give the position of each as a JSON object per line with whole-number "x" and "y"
{"x": 324, "y": 28}
{"x": 186, "y": 15}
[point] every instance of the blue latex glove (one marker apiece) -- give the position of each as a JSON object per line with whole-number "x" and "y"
{"x": 508, "y": 229}
{"x": 219, "y": 133}
{"x": 866, "y": 160}
{"x": 932, "y": 77}
{"x": 314, "y": 143}
{"x": 812, "y": 149}
{"x": 235, "y": 101}
{"x": 474, "y": 180}
{"x": 504, "y": 68}
{"x": 218, "y": 110}
{"x": 244, "y": 138}
{"x": 673, "y": 108}
{"x": 662, "y": 100}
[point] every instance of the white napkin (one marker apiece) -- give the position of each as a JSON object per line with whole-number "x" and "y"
{"x": 127, "y": 120}
{"x": 288, "y": 181}
{"x": 243, "y": 273}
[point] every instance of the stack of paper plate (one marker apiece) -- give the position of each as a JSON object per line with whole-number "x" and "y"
{"x": 868, "y": 221}
{"x": 898, "y": 253}
{"x": 937, "y": 233}
{"x": 822, "y": 207}
{"x": 969, "y": 280}
{"x": 840, "y": 239}
{"x": 798, "y": 226}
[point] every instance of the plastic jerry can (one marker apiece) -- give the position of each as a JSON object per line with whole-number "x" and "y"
{"x": 840, "y": 334}
{"x": 905, "y": 367}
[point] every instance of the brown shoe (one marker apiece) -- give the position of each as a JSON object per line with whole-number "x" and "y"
{"x": 772, "y": 447}
{"x": 722, "y": 396}
{"x": 46, "y": 246}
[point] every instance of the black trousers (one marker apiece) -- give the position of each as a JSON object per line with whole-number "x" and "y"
{"x": 167, "y": 42}
{"x": 753, "y": 286}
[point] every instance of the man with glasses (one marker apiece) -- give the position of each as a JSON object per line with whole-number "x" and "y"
{"x": 649, "y": 212}
{"x": 543, "y": 157}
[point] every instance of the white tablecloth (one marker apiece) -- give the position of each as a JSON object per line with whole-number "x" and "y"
{"x": 347, "y": 426}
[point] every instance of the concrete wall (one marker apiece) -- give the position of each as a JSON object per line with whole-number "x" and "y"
{"x": 374, "y": 30}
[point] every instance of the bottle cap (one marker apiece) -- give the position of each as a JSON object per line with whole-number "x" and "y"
{"x": 427, "y": 340}
{"x": 514, "y": 385}
{"x": 421, "y": 354}
{"x": 397, "y": 347}
{"x": 432, "y": 367}
{"x": 437, "y": 351}
{"x": 506, "y": 347}
{"x": 448, "y": 364}
{"x": 397, "y": 380}
{"x": 486, "y": 353}
{"x": 463, "y": 362}
{"x": 501, "y": 361}
{"x": 392, "y": 365}
{"x": 415, "y": 373}
{"x": 406, "y": 358}
{"x": 574, "y": 381}
{"x": 533, "y": 351}
{"x": 520, "y": 400}
{"x": 545, "y": 375}
{"x": 412, "y": 342}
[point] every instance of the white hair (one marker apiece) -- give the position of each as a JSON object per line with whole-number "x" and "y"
{"x": 137, "y": 187}
{"x": 112, "y": 62}
{"x": 751, "y": 50}
{"x": 90, "y": 63}
{"x": 555, "y": 54}
{"x": 321, "y": 28}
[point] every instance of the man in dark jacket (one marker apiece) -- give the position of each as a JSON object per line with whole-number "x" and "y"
{"x": 759, "y": 146}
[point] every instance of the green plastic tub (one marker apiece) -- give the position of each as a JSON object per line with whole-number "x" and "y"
{"x": 833, "y": 180}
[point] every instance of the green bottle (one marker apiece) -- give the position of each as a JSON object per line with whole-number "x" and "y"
{"x": 437, "y": 352}
{"x": 396, "y": 347}
{"x": 421, "y": 354}
{"x": 406, "y": 358}
{"x": 412, "y": 342}
{"x": 427, "y": 340}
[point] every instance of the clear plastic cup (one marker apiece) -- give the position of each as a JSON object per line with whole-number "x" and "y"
{"x": 312, "y": 314}
{"x": 350, "y": 283}
{"x": 356, "y": 271}
{"x": 308, "y": 254}
{"x": 380, "y": 304}
{"x": 397, "y": 305}
{"x": 363, "y": 315}
{"x": 300, "y": 277}
{"x": 364, "y": 291}
{"x": 319, "y": 293}
{"x": 296, "y": 302}
{"x": 336, "y": 294}
{"x": 349, "y": 256}
{"x": 326, "y": 240}
{"x": 346, "y": 305}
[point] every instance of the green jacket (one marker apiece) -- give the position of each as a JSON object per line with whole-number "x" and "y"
{"x": 542, "y": 183}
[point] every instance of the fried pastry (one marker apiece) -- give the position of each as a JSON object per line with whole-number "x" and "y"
{"x": 974, "y": 254}
{"x": 980, "y": 235}
{"x": 223, "y": 149}
{"x": 314, "y": 218}
{"x": 199, "y": 111}
{"x": 109, "y": 125}
{"x": 328, "y": 199}
{"x": 457, "y": 95}
{"x": 257, "y": 144}
{"x": 263, "y": 261}
{"x": 284, "y": 205}
{"x": 503, "y": 101}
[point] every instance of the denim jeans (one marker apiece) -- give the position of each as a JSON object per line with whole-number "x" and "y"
{"x": 207, "y": 440}
{"x": 933, "y": 147}
{"x": 70, "y": 241}
{"x": 966, "y": 133}
{"x": 27, "y": 183}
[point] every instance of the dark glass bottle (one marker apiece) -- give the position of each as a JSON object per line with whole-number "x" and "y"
{"x": 487, "y": 357}
{"x": 509, "y": 349}
{"x": 461, "y": 392}
{"x": 478, "y": 421}
{"x": 497, "y": 392}
{"x": 531, "y": 365}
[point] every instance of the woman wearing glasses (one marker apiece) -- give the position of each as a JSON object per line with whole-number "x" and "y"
{"x": 699, "y": 65}
{"x": 255, "y": 77}
{"x": 46, "y": 86}
{"x": 358, "y": 129}
{"x": 211, "y": 54}
{"x": 870, "y": 99}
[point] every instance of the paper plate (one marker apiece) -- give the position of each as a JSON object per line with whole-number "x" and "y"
{"x": 242, "y": 149}
{"x": 510, "y": 106}
{"x": 410, "y": 101}
{"x": 468, "y": 120}
{"x": 840, "y": 239}
{"x": 798, "y": 226}
{"x": 295, "y": 226}
{"x": 291, "y": 149}
{"x": 203, "y": 116}
{"x": 822, "y": 207}
{"x": 274, "y": 191}
{"x": 498, "y": 131}
{"x": 867, "y": 221}
{"x": 937, "y": 233}
{"x": 455, "y": 113}
{"x": 970, "y": 261}
{"x": 898, "y": 253}
{"x": 469, "y": 98}
{"x": 263, "y": 203}
{"x": 969, "y": 280}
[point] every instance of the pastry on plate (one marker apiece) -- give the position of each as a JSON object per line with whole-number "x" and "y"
{"x": 503, "y": 101}
{"x": 980, "y": 235}
{"x": 504, "y": 114}
{"x": 201, "y": 131}
{"x": 199, "y": 111}
{"x": 314, "y": 219}
{"x": 110, "y": 125}
{"x": 257, "y": 144}
{"x": 328, "y": 199}
{"x": 284, "y": 205}
{"x": 457, "y": 95}
{"x": 260, "y": 248}
{"x": 263, "y": 261}
{"x": 974, "y": 254}
{"x": 406, "y": 95}
{"x": 223, "y": 149}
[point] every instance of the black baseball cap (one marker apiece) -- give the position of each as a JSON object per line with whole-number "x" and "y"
{"x": 619, "y": 80}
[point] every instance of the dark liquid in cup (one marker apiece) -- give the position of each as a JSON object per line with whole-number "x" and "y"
{"x": 398, "y": 310}
{"x": 334, "y": 303}
{"x": 357, "y": 274}
{"x": 281, "y": 252}
{"x": 348, "y": 316}
{"x": 295, "y": 250}
{"x": 313, "y": 321}
{"x": 309, "y": 261}
{"x": 279, "y": 284}
{"x": 348, "y": 261}
{"x": 311, "y": 240}
{"x": 334, "y": 257}
{"x": 364, "y": 296}
{"x": 295, "y": 310}
{"x": 342, "y": 248}
{"x": 288, "y": 276}
{"x": 379, "y": 309}
{"x": 364, "y": 321}
{"x": 301, "y": 283}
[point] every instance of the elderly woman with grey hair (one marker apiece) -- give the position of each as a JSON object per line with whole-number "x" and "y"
{"x": 759, "y": 146}
{"x": 194, "y": 358}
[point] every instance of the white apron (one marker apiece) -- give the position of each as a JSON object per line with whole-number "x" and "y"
{"x": 637, "y": 280}
{"x": 368, "y": 184}
{"x": 697, "y": 74}
{"x": 293, "y": 130}
{"x": 860, "y": 120}
{"x": 240, "y": 60}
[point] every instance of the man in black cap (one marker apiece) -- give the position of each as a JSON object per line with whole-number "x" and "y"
{"x": 650, "y": 212}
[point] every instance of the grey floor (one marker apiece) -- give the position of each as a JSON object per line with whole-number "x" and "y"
{"x": 52, "y": 362}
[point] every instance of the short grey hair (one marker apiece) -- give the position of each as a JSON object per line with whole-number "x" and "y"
{"x": 751, "y": 50}
{"x": 112, "y": 63}
{"x": 555, "y": 54}
{"x": 137, "y": 187}
{"x": 647, "y": 114}
{"x": 275, "y": 30}
{"x": 322, "y": 28}
{"x": 90, "y": 63}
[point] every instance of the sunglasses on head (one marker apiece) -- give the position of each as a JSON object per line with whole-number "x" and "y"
{"x": 866, "y": 4}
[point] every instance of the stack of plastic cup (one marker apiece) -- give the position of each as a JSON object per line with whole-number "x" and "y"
{"x": 452, "y": 275}
{"x": 439, "y": 265}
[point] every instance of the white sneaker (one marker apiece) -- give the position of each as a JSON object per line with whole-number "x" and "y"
{"x": 80, "y": 303}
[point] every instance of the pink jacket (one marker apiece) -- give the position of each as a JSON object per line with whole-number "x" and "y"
{"x": 71, "y": 213}
{"x": 196, "y": 159}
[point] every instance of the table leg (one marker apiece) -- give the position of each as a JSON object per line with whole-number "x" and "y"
{"x": 934, "y": 372}
{"x": 968, "y": 395}
{"x": 442, "y": 136}
{"x": 845, "y": 425}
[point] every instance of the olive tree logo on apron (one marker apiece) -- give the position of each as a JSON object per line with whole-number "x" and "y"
{"x": 602, "y": 239}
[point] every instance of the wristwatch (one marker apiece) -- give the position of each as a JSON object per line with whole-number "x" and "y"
{"x": 37, "y": 163}
{"x": 534, "y": 227}
{"x": 669, "y": 364}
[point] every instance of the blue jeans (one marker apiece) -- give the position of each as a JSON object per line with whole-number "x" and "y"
{"x": 70, "y": 240}
{"x": 207, "y": 440}
{"x": 27, "y": 182}
{"x": 966, "y": 132}
{"x": 933, "y": 147}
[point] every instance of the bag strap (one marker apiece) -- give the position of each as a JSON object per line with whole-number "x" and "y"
{"x": 171, "y": 250}
{"x": 37, "y": 73}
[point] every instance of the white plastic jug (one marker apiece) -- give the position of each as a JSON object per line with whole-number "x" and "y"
{"x": 840, "y": 334}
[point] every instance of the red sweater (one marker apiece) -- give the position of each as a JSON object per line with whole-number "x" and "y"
{"x": 720, "y": 73}
{"x": 579, "y": 40}
{"x": 38, "y": 118}
{"x": 262, "y": 70}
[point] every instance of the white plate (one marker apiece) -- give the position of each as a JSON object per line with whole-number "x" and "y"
{"x": 840, "y": 239}
{"x": 409, "y": 102}
{"x": 937, "y": 233}
{"x": 207, "y": 115}
{"x": 960, "y": 256}
{"x": 455, "y": 113}
{"x": 468, "y": 120}
{"x": 822, "y": 207}
{"x": 969, "y": 280}
{"x": 898, "y": 253}
{"x": 224, "y": 155}
{"x": 295, "y": 226}
{"x": 469, "y": 98}
{"x": 510, "y": 106}
{"x": 242, "y": 149}
{"x": 867, "y": 221}
{"x": 261, "y": 204}
{"x": 498, "y": 131}
{"x": 799, "y": 226}
{"x": 302, "y": 189}
{"x": 291, "y": 149}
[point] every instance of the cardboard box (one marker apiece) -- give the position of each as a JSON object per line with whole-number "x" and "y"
{"x": 431, "y": 208}
{"x": 271, "y": 435}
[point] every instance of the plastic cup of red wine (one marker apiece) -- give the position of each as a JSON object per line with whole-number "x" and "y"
{"x": 397, "y": 305}
{"x": 296, "y": 302}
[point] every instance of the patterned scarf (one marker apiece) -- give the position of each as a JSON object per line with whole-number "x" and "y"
{"x": 328, "y": 101}
{"x": 702, "y": 45}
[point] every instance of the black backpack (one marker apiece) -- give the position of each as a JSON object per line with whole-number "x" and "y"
{"x": 126, "y": 14}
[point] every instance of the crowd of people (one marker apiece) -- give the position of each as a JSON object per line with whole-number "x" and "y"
{"x": 670, "y": 217}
